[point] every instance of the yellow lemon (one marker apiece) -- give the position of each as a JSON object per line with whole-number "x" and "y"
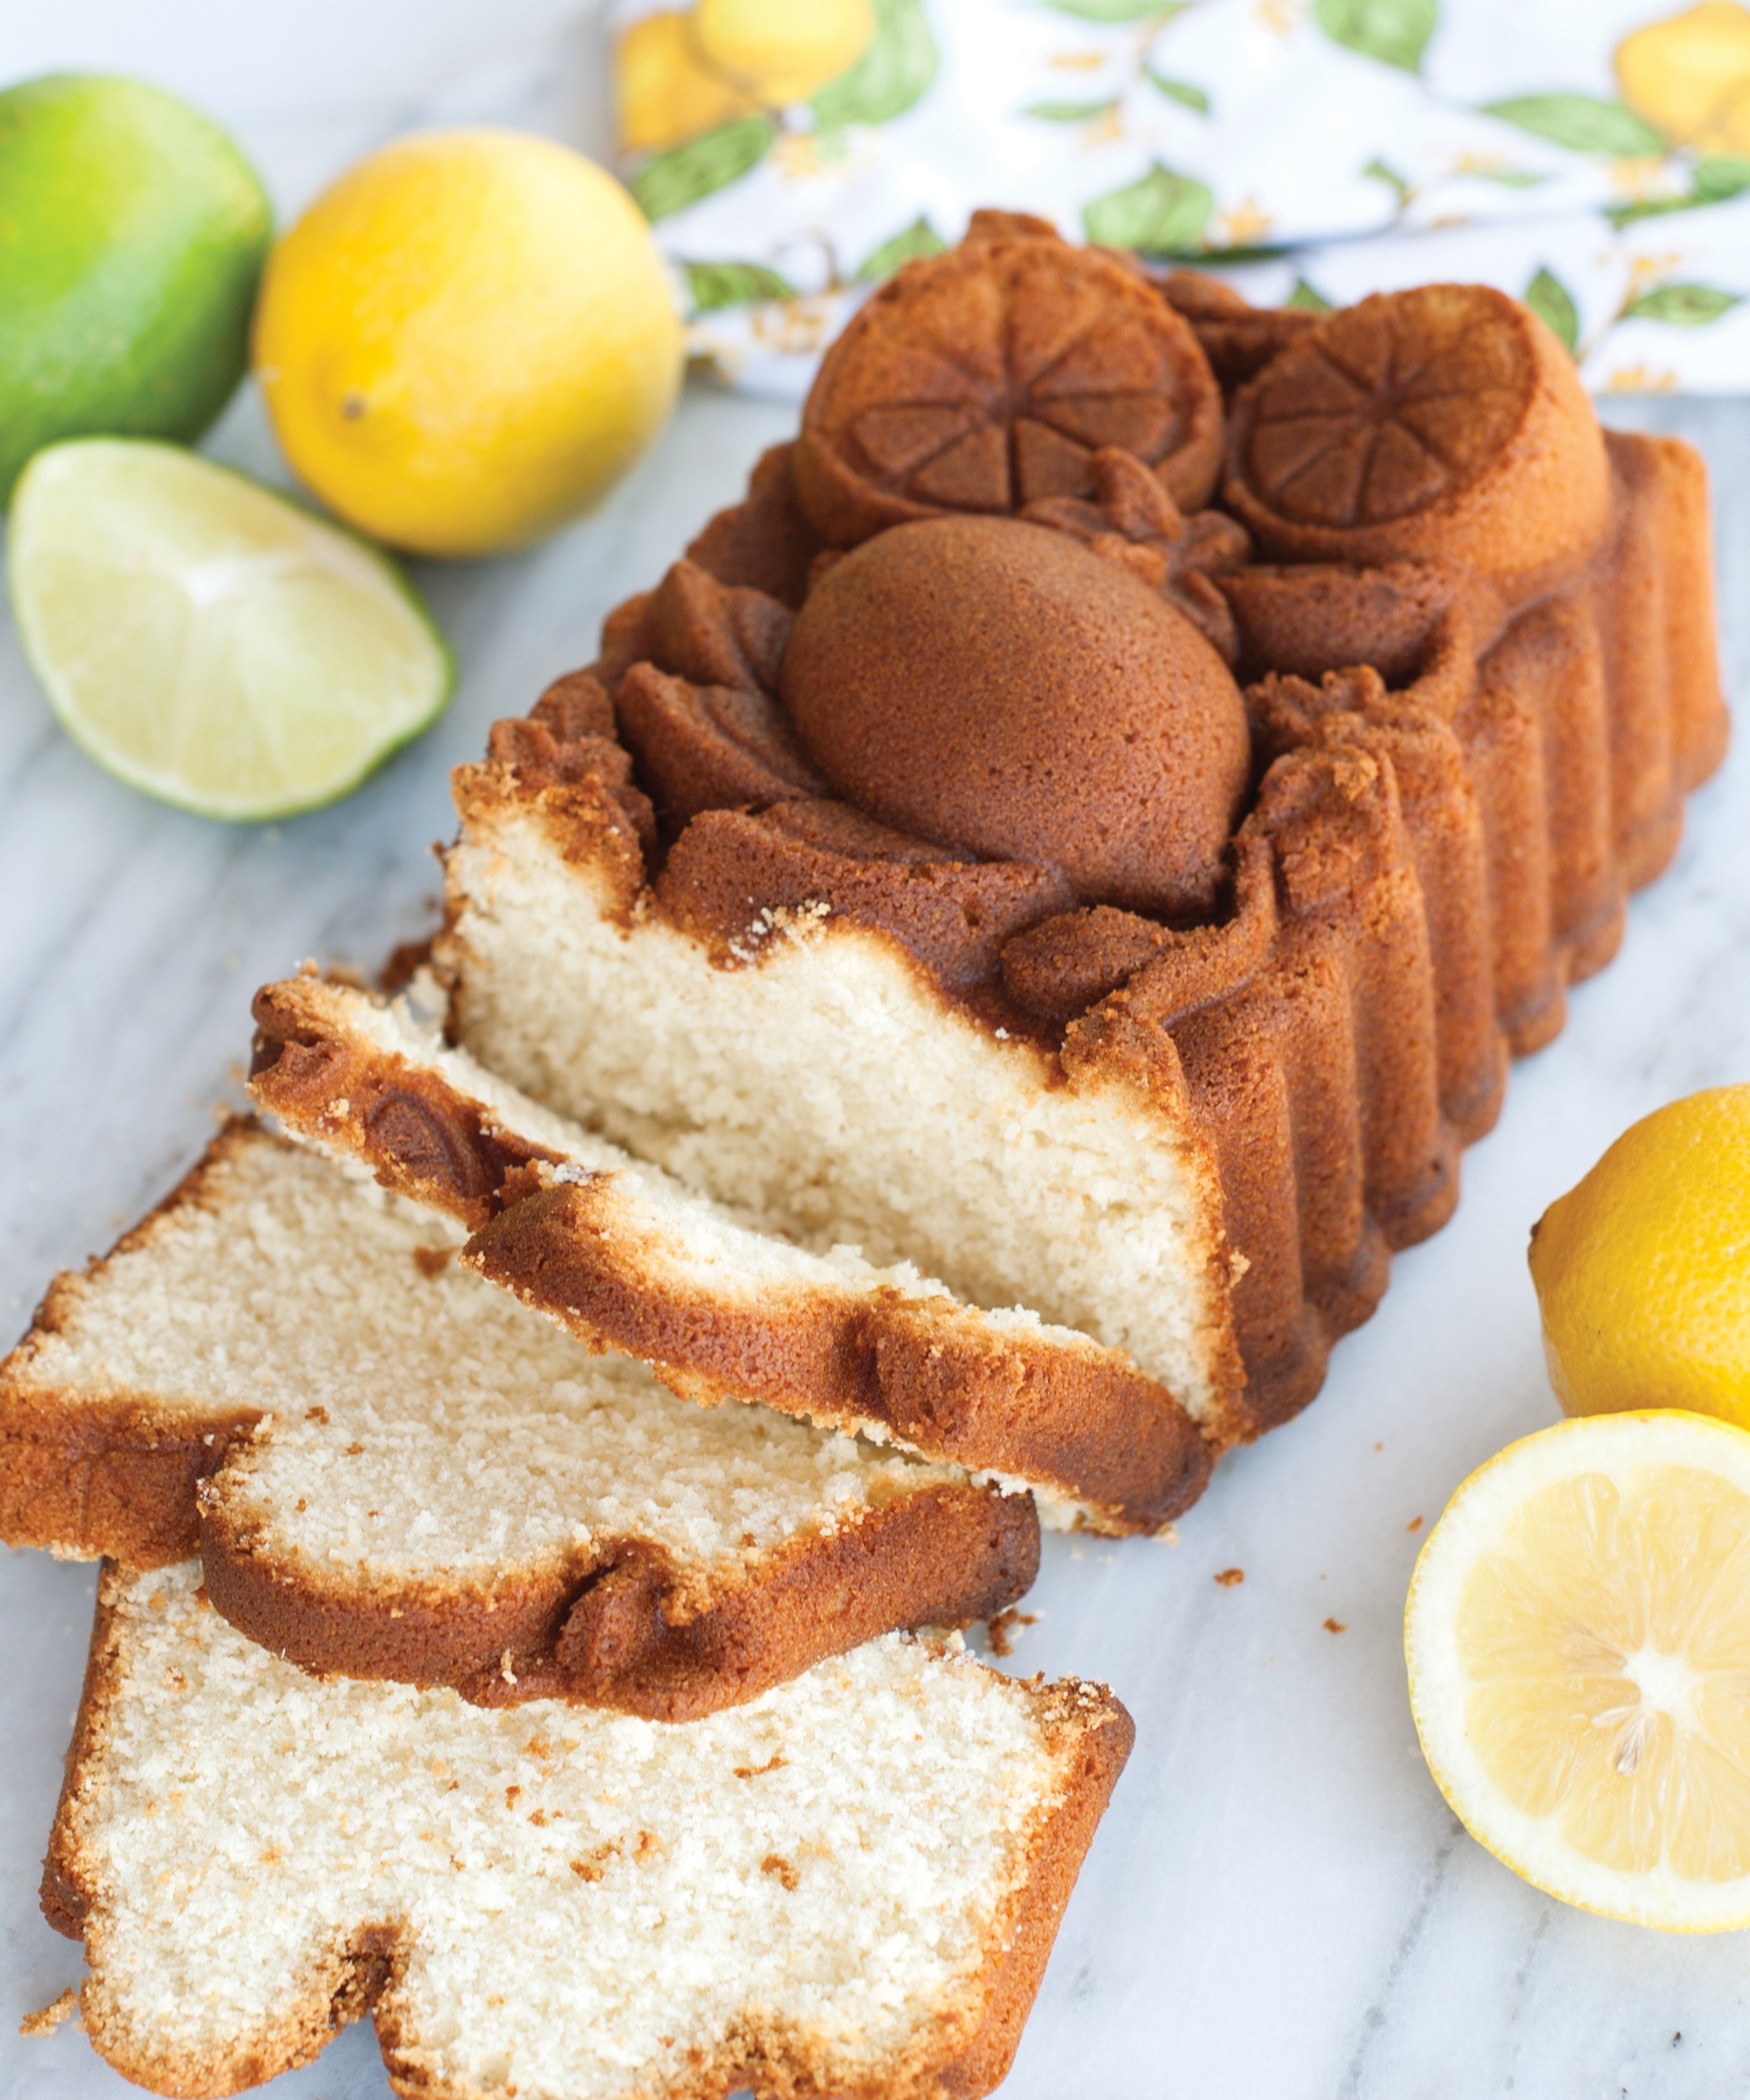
{"x": 466, "y": 340}
{"x": 780, "y": 52}
{"x": 1578, "y": 1642}
{"x": 663, "y": 92}
{"x": 1644, "y": 1270}
{"x": 1690, "y": 77}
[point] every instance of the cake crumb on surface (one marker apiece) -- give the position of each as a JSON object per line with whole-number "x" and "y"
{"x": 1229, "y": 1576}
{"x": 1001, "y": 1629}
{"x": 50, "y": 2017}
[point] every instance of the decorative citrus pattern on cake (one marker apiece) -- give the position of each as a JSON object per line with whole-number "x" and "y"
{"x": 1391, "y": 406}
{"x": 1445, "y": 424}
{"x": 987, "y": 379}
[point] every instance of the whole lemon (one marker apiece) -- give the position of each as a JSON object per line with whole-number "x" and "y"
{"x": 1644, "y": 1270}
{"x": 780, "y": 52}
{"x": 131, "y": 237}
{"x": 466, "y": 340}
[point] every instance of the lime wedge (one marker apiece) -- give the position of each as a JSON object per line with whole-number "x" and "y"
{"x": 208, "y": 642}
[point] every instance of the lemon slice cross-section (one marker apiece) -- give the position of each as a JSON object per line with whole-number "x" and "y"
{"x": 208, "y": 642}
{"x": 1578, "y": 1639}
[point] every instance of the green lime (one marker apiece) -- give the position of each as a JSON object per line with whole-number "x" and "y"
{"x": 132, "y": 233}
{"x": 208, "y": 642}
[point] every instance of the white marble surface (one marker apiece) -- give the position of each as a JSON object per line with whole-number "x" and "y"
{"x": 1280, "y": 1902}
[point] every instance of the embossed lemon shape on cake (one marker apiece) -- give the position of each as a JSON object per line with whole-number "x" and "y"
{"x": 988, "y": 378}
{"x": 1444, "y": 423}
{"x": 1690, "y": 77}
{"x": 1578, "y": 1641}
{"x": 1644, "y": 1270}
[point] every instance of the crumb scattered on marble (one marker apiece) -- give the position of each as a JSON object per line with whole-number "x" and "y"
{"x": 1004, "y": 1629}
{"x": 1229, "y": 1576}
{"x": 1335, "y": 1626}
{"x": 65, "y": 2007}
{"x": 1414, "y": 1525}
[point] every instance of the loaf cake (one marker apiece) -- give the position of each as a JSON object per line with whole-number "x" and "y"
{"x": 848, "y": 1887}
{"x": 392, "y": 1470}
{"x": 627, "y": 1258}
{"x": 1097, "y": 819}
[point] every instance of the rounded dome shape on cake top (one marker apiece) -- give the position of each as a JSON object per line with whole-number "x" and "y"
{"x": 988, "y": 377}
{"x": 1442, "y": 424}
{"x": 993, "y": 686}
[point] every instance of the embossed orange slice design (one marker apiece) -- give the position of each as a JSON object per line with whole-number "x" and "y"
{"x": 1394, "y": 406}
{"x": 987, "y": 379}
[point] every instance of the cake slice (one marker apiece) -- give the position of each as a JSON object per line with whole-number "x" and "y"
{"x": 850, "y": 1885}
{"x": 398, "y": 1473}
{"x": 627, "y": 1258}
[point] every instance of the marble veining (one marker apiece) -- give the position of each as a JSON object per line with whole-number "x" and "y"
{"x": 1280, "y": 1902}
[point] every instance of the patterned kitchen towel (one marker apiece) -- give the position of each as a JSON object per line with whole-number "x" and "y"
{"x": 1592, "y": 157}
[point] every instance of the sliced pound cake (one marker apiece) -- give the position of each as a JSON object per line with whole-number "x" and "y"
{"x": 400, "y": 1472}
{"x": 849, "y": 1886}
{"x": 627, "y": 1257}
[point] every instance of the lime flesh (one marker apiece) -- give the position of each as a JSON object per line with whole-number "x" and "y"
{"x": 132, "y": 235}
{"x": 208, "y": 642}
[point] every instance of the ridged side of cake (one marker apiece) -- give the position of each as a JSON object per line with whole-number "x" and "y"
{"x": 1206, "y": 1154}
{"x": 414, "y": 1478}
{"x": 850, "y": 1885}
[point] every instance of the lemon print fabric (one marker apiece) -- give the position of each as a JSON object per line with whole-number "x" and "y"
{"x": 466, "y": 340}
{"x": 132, "y": 233}
{"x": 1593, "y": 163}
{"x": 682, "y": 72}
{"x": 1578, "y": 1642}
{"x": 1689, "y": 76}
{"x": 1642, "y": 1271}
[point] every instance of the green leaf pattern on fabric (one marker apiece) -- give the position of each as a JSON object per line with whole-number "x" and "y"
{"x": 671, "y": 180}
{"x": 1119, "y": 10}
{"x": 1164, "y": 214}
{"x": 919, "y": 238}
{"x": 1583, "y": 123}
{"x": 1182, "y": 91}
{"x": 1395, "y": 32}
{"x": 1066, "y": 113}
{"x": 1684, "y": 306}
{"x": 897, "y": 68}
{"x": 1551, "y": 301}
{"x": 1377, "y": 171}
{"x": 713, "y": 285}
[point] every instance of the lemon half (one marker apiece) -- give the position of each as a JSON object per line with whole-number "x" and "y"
{"x": 1578, "y": 1637}
{"x": 207, "y": 641}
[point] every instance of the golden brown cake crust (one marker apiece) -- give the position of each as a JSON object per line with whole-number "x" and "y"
{"x": 627, "y": 1631}
{"x": 1078, "y": 1420}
